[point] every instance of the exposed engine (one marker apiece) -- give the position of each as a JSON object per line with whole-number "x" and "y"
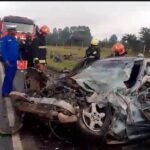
{"x": 48, "y": 86}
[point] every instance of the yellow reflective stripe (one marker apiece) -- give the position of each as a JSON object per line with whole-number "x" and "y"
{"x": 42, "y": 47}
{"x": 36, "y": 59}
{"x": 42, "y": 61}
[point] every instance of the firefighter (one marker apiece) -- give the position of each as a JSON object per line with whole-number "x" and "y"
{"x": 10, "y": 55}
{"x": 39, "y": 48}
{"x": 26, "y": 49}
{"x": 92, "y": 54}
{"x": 93, "y": 51}
{"x": 22, "y": 48}
{"x": 119, "y": 49}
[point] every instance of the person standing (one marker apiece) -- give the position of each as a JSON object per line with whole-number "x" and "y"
{"x": 26, "y": 49}
{"x": 1, "y": 50}
{"x": 39, "y": 48}
{"x": 10, "y": 55}
{"x": 92, "y": 53}
{"x": 119, "y": 49}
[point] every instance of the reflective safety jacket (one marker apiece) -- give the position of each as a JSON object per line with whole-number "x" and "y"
{"x": 10, "y": 49}
{"x": 93, "y": 51}
{"x": 39, "y": 49}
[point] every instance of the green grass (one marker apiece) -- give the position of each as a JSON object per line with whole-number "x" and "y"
{"x": 77, "y": 53}
{"x": 69, "y": 64}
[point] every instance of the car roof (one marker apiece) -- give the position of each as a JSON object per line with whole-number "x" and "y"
{"x": 123, "y": 59}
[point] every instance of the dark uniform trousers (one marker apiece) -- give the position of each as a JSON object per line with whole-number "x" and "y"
{"x": 40, "y": 52}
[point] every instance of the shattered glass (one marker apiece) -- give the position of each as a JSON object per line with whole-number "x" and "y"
{"x": 104, "y": 76}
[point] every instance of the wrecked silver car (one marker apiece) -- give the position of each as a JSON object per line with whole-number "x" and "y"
{"x": 109, "y": 99}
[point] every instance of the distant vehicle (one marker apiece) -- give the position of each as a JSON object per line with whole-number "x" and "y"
{"x": 24, "y": 25}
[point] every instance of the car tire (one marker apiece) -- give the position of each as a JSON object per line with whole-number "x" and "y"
{"x": 97, "y": 134}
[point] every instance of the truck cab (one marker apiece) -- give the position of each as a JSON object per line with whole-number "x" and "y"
{"x": 24, "y": 25}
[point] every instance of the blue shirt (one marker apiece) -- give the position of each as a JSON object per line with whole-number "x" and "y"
{"x": 0, "y": 46}
{"x": 10, "y": 48}
{"x": 0, "y": 49}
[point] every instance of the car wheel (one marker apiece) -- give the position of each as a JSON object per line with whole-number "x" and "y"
{"x": 94, "y": 121}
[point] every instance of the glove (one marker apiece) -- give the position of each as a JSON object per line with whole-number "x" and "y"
{"x": 91, "y": 56}
{"x": 36, "y": 60}
{"x": 94, "y": 52}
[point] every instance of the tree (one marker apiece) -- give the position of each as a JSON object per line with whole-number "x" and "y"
{"x": 65, "y": 35}
{"x": 145, "y": 37}
{"x": 105, "y": 43}
{"x": 113, "y": 39}
{"x": 75, "y": 35}
{"x": 131, "y": 42}
{"x": 52, "y": 38}
{"x": 80, "y": 35}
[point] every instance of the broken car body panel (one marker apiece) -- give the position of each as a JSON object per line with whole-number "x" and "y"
{"x": 114, "y": 81}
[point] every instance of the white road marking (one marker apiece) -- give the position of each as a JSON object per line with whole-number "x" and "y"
{"x": 17, "y": 144}
{"x": 2, "y": 71}
{"x": 10, "y": 112}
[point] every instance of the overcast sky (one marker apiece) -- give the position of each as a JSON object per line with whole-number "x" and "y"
{"x": 103, "y": 18}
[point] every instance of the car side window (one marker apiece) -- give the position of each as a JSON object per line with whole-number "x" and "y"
{"x": 133, "y": 76}
{"x": 148, "y": 69}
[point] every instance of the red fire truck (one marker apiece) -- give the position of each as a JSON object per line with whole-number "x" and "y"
{"x": 24, "y": 25}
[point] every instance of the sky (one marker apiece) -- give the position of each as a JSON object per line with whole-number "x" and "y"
{"x": 103, "y": 18}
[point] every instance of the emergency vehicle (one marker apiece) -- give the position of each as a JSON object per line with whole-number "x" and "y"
{"x": 24, "y": 25}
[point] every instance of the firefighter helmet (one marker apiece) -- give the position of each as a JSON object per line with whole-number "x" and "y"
{"x": 94, "y": 41}
{"x": 44, "y": 29}
{"x": 140, "y": 55}
{"x": 119, "y": 48}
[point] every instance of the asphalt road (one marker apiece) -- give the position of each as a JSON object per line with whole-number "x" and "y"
{"x": 37, "y": 135}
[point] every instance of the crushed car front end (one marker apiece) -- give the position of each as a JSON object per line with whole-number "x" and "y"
{"x": 101, "y": 98}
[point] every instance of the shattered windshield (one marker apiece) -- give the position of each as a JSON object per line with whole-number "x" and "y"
{"x": 104, "y": 76}
{"x": 20, "y": 27}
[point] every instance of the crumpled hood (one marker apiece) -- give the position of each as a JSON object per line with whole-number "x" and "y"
{"x": 102, "y": 79}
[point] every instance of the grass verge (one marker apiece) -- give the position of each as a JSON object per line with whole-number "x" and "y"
{"x": 77, "y": 53}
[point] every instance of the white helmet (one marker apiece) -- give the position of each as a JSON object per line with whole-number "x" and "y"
{"x": 140, "y": 55}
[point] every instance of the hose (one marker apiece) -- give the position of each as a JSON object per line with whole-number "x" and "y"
{"x": 57, "y": 136}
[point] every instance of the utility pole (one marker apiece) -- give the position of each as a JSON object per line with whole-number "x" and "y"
{"x": 144, "y": 49}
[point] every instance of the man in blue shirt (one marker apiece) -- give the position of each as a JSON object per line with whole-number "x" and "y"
{"x": 0, "y": 49}
{"x": 10, "y": 55}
